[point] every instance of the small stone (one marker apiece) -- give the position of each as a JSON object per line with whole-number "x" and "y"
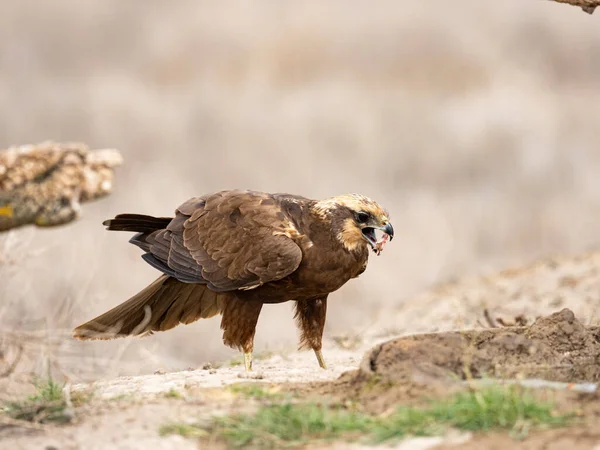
{"x": 251, "y": 375}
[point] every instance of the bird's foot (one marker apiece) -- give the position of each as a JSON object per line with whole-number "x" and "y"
{"x": 319, "y": 356}
{"x": 248, "y": 361}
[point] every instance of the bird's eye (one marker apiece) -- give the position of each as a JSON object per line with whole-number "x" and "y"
{"x": 362, "y": 217}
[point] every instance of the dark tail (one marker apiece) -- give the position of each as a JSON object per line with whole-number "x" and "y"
{"x": 137, "y": 222}
{"x": 161, "y": 306}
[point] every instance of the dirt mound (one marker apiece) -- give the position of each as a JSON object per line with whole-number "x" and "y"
{"x": 530, "y": 291}
{"x": 555, "y": 348}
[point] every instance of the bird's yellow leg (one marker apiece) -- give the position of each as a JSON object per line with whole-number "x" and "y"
{"x": 319, "y": 356}
{"x": 248, "y": 361}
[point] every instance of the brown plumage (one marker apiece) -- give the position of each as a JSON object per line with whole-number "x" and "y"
{"x": 232, "y": 251}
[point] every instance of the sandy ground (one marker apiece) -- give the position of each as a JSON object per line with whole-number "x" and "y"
{"x": 127, "y": 412}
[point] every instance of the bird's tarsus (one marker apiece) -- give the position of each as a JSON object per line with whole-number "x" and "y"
{"x": 248, "y": 361}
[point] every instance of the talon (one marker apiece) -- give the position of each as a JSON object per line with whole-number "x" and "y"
{"x": 319, "y": 356}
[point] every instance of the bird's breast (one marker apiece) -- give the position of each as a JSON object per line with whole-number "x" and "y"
{"x": 320, "y": 272}
{"x": 330, "y": 270}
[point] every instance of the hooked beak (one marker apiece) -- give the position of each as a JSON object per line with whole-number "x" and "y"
{"x": 371, "y": 238}
{"x": 388, "y": 229}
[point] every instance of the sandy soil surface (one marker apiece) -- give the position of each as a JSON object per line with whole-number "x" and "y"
{"x": 127, "y": 412}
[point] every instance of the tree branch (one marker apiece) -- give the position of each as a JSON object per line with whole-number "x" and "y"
{"x": 44, "y": 184}
{"x": 587, "y": 5}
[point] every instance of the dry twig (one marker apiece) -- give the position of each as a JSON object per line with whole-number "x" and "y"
{"x": 12, "y": 365}
{"x": 488, "y": 318}
{"x": 587, "y": 5}
{"x": 518, "y": 321}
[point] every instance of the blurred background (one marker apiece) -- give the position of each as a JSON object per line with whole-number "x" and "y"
{"x": 475, "y": 124}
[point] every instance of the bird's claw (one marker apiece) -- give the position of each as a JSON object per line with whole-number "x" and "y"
{"x": 319, "y": 356}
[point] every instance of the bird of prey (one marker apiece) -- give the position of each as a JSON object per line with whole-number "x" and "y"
{"x": 232, "y": 251}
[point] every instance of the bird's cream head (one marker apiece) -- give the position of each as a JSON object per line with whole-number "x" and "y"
{"x": 355, "y": 219}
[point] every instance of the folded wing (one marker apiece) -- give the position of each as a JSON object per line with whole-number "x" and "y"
{"x": 229, "y": 240}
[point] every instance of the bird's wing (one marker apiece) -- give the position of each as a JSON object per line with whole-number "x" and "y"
{"x": 229, "y": 240}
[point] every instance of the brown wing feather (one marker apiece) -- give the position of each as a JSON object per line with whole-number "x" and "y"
{"x": 229, "y": 240}
{"x": 238, "y": 239}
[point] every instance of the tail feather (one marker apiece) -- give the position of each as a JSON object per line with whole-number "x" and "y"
{"x": 137, "y": 222}
{"x": 162, "y": 305}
